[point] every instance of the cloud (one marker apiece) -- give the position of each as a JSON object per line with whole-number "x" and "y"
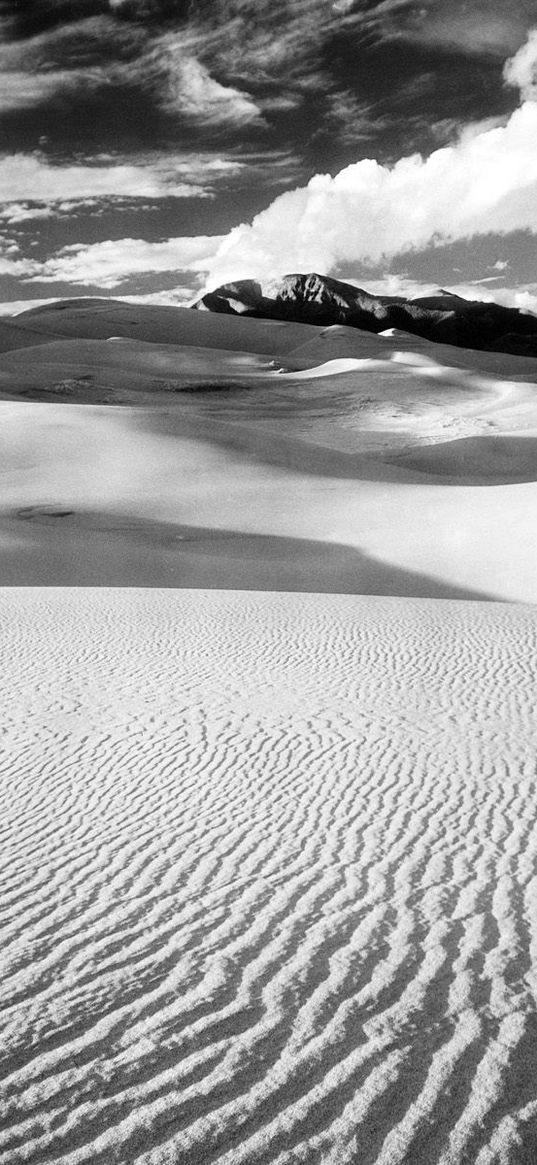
{"x": 232, "y": 63}
{"x": 78, "y": 58}
{"x": 365, "y": 215}
{"x": 32, "y": 177}
{"x": 369, "y": 212}
{"x": 17, "y": 268}
{"x": 483, "y": 28}
{"x": 523, "y": 297}
{"x": 521, "y": 70}
{"x": 112, "y": 262}
{"x": 17, "y": 212}
{"x": 22, "y": 90}
{"x": 101, "y": 55}
{"x": 184, "y": 85}
{"x": 300, "y": 70}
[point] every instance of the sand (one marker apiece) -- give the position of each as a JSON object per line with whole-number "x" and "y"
{"x": 269, "y": 879}
{"x": 268, "y": 820}
{"x": 205, "y": 450}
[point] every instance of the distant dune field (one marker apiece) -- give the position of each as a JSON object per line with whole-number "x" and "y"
{"x": 169, "y": 447}
{"x": 269, "y": 887}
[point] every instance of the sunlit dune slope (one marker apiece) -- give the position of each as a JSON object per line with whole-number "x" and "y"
{"x": 188, "y": 497}
{"x": 264, "y": 454}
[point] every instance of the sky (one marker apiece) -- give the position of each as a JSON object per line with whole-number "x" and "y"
{"x": 155, "y": 148}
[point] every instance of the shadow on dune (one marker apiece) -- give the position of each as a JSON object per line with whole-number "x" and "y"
{"x": 270, "y": 448}
{"x": 475, "y": 461}
{"x": 56, "y": 546}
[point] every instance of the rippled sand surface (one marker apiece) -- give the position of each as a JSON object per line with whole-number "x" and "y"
{"x": 269, "y": 889}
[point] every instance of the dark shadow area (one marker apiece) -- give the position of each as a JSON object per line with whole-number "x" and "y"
{"x": 270, "y": 448}
{"x": 474, "y": 460}
{"x": 160, "y": 324}
{"x": 54, "y": 546}
{"x": 14, "y": 335}
{"x": 477, "y": 461}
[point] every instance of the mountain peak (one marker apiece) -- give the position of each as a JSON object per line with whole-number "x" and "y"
{"x": 444, "y": 317}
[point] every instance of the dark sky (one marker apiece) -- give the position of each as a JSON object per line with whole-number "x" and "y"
{"x": 161, "y": 121}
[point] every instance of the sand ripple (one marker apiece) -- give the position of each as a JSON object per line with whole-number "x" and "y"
{"x": 269, "y": 879}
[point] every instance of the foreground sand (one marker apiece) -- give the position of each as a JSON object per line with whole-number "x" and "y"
{"x": 269, "y": 879}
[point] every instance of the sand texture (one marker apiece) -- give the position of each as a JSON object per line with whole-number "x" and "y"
{"x": 269, "y": 886}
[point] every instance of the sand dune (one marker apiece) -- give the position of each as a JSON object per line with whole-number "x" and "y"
{"x": 269, "y": 880}
{"x": 118, "y": 370}
{"x": 389, "y": 485}
{"x": 162, "y": 325}
{"x": 268, "y": 836}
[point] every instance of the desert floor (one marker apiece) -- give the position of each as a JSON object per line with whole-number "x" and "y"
{"x": 268, "y": 769}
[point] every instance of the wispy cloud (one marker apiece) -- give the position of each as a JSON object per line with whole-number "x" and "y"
{"x": 242, "y": 68}
{"x": 220, "y": 74}
{"x": 183, "y": 85}
{"x": 228, "y": 63}
{"x": 73, "y": 59}
{"x": 484, "y": 27}
{"x": 100, "y": 55}
{"x": 110, "y": 263}
{"x": 33, "y": 177}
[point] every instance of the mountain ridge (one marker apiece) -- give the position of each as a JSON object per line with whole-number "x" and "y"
{"x": 444, "y": 318}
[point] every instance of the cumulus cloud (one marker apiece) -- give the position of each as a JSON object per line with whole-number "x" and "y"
{"x": 366, "y": 214}
{"x": 17, "y": 268}
{"x": 486, "y": 182}
{"x": 521, "y": 70}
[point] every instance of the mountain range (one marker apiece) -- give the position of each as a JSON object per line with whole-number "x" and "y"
{"x": 444, "y": 318}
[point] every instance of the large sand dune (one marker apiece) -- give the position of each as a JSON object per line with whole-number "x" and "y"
{"x": 93, "y": 495}
{"x": 269, "y": 885}
{"x": 98, "y": 319}
{"x": 162, "y": 446}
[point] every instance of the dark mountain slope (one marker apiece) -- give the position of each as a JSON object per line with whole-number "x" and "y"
{"x": 316, "y": 299}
